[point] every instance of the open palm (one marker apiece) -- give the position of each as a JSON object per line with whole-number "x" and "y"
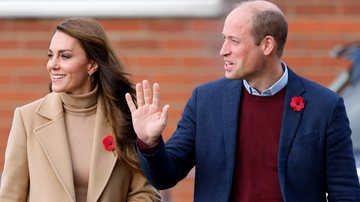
{"x": 148, "y": 120}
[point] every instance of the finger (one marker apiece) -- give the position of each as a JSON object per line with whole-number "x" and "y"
{"x": 139, "y": 94}
{"x": 147, "y": 92}
{"x": 156, "y": 94}
{"x": 164, "y": 114}
{"x": 130, "y": 102}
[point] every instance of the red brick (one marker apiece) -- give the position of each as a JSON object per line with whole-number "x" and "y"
{"x": 7, "y": 113}
{"x": 310, "y": 44}
{"x": 299, "y": 61}
{"x": 32, "y": 26}
{"x": 5, "y": 79}
{"x": 28, "y": 79}
{"x": 351, "y": 10}
{"x": 184, "y": 79}
{"x": 18, "y": 96}
{"x": 334, "y": 63}
{"x": 184, "y": 44}
{"x": 9, "y": 44}
{"x": 39, "y": 44}
{"x": 308, "y": 26}
{"x": 121, "y": 24}
{"x": 214, "y": 25}
{"x": 325, "y": 80}
{"x": 184, "y": 191}
{"x": 19, "y": 62}
{"x": 174, "y": 96}
{"x": 315, "y": 9}
{"x": 138, "y": 44}
{"x": 212, "y": 60}
{"x": 151, "y": 61}
{"x": 166, "y": 25}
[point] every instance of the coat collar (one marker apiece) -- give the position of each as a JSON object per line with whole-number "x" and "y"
{"x": 52, "y": 133}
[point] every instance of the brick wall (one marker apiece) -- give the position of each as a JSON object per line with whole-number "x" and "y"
{"x": 177, "y": 53}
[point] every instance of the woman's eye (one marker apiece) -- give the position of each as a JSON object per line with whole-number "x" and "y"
{"x": 50, "y": 55}
{"x": 66, "y": 56}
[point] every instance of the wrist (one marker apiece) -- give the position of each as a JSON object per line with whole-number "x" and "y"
{"x": 145, "y": 145}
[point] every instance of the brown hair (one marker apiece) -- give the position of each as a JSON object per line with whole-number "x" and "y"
{"x": 270, "y": 23}
{"x": 112, "y": 82}
{"x": 267, "y": 20}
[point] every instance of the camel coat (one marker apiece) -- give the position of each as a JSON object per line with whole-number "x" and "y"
{"x": 38, "y": 165}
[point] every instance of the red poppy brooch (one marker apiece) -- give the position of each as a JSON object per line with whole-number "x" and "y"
{"x": 297, "y": 103}
{"x": 109, "y": 143}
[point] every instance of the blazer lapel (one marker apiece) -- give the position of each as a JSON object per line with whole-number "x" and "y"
{"x": 290, "y": 122}
{"x": 230, "y": 119}
{"x": 102, "y": 161}
{"x": 53, "y": 139}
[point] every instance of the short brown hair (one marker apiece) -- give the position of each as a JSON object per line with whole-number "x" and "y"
{"x": 270, "y": 23}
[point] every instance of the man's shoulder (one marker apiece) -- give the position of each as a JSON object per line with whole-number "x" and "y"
{"x": 313, "y": 88}
{"x": 318, "y": 89}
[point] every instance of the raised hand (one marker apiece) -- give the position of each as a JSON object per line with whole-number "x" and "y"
{"x": 148, "y": 120}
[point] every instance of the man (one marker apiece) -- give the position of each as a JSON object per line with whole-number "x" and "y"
{"x": 261, "y": 134}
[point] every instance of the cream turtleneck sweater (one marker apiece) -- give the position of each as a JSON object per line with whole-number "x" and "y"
{"x": 79, "y": 116}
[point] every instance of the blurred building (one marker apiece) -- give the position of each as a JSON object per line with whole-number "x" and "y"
{"x": 347, "y": 84}
{"x": 173, "y": 42}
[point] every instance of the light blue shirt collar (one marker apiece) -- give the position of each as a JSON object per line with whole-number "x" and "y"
{"x": 281, "y": 83}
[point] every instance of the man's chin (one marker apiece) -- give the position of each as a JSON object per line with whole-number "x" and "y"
{"x": 231, "y": 77}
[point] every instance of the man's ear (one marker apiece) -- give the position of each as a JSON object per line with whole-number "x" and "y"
{"x": 269, "y": 45}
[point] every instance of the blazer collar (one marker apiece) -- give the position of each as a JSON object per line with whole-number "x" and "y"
{"x": 290, "y": 122}
{"x": 231, "y": 96}
{"x": 52, "y": 133}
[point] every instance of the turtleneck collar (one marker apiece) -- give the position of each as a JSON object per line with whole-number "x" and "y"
{"x": 80, "y": 103}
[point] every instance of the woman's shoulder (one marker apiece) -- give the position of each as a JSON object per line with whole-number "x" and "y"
{"x": 34, "y": 105}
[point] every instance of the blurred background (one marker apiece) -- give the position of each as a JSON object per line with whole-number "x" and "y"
{"x": 175, "y": 43}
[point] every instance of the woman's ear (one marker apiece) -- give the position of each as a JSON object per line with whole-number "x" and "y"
{"x": 93, "y": 67}
{"x": 269, "y": 45}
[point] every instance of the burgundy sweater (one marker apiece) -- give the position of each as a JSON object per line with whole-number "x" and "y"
{"x": 256, "y": 168}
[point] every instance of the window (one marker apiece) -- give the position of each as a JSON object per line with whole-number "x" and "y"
{"x": 110, "y": 8}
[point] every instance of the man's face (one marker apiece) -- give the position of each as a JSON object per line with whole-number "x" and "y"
{"x": 243, "y": 59}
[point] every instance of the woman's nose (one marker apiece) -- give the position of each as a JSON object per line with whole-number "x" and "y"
{"x": 52, "y": 64}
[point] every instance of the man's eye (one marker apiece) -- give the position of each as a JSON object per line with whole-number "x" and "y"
{"x": 234, "y": 41}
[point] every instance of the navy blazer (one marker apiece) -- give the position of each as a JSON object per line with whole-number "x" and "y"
{"x": 315, "y": 153}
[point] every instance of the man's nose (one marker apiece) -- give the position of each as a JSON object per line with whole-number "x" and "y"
{"x": 225, "y": 50}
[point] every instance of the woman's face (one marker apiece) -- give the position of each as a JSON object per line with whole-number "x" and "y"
{"x": 68, "y": 65}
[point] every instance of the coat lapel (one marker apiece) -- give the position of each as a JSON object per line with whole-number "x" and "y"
{"x": 102, "y": 161}
{"x": 53, "y": 139}
{"x": 290, "y": 123}
{"x": 230, "y": 119}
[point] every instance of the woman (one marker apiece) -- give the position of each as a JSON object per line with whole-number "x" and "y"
{"x": 76, "y": 143}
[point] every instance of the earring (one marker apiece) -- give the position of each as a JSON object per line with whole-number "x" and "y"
{"x": 90, "y": 77}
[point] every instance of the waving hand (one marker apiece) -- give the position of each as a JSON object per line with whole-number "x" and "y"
{"x": 148, "y": 119}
